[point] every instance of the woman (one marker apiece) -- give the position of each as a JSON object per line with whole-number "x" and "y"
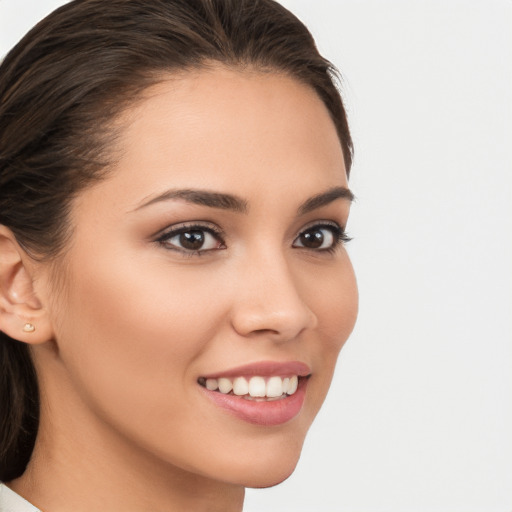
{"x": 174, "y": 284}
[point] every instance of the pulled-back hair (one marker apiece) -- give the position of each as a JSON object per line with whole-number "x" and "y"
{"x": 61, "y": 90}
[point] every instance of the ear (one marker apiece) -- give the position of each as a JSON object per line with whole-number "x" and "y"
{"x": 23, "y": 317}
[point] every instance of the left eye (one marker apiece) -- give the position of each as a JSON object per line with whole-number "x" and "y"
{"x": 192, "y": 240}
{"x": 319, "y": 237}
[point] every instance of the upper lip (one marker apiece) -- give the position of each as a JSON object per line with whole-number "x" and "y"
{"x": 264, "y": 369}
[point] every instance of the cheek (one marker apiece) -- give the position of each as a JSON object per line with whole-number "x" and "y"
{"x": 334, "y": 298}
{"x": 133, "y": 331}
{"x": 341, "y": 307}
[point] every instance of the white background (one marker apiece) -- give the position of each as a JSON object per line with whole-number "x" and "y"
{"x": 419, "y": 417}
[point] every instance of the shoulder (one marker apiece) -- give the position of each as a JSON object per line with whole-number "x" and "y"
{"x": 12, "y": 502}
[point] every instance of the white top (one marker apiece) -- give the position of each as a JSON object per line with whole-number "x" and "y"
{"x": 12, "y": 502}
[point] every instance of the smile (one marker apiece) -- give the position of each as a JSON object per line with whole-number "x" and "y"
{"x": 266, "y": 393}
{"x": 253, "y": 388}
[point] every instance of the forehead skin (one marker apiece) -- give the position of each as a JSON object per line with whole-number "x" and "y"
{"x": 215, "y": 120}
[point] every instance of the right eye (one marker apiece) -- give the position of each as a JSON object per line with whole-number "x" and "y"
{"x": 192, "y": 239}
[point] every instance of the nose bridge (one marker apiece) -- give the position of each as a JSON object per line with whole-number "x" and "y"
{"x": 270, "y": 302}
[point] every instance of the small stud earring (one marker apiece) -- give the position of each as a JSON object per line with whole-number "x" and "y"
{"x": 28, "y": 327}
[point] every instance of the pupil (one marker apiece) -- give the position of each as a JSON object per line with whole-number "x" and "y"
{"x": 192, "y": 240}
{"x": 312, "y": 239}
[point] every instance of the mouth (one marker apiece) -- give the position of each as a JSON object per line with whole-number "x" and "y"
{"x": 256, "y": 388}
{"x": 263, "y": 394}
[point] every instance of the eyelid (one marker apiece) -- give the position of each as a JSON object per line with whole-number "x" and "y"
{"x": 163, "y": 236}
{"x": 339, "y": 233}
{"x": 336, "y": 226}
{"x": 169, "y": 232}
{"x": 180, "y": 227}
{"x": 320, "y": 223}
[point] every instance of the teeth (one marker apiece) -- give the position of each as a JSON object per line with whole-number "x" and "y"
{"x": 292, "y": 387}
{"x": 275, "y": 387}
{"x": 225, "y": 385}
{"x": 240, "y": 386}
{"x": 212, "y": 384}
{"x": 255, "y": 387}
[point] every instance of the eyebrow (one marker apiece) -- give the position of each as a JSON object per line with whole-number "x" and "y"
{"x": 234, "y": 203}
{"x": 325, "y": 198}
{"x": 203, "y": 198}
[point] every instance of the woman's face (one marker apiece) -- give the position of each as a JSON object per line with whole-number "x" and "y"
{"x": 211, "y": 256}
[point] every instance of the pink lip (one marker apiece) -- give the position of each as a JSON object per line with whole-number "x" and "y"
{"x": 266, "y": 413}
{"x": 264, "y": 369}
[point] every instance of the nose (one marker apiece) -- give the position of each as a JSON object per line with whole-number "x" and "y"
{"x": 268, "y": 301}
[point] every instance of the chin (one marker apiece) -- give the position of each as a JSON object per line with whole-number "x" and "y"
{"x": 268, "y": 471}
{"x": 271, "y": 480}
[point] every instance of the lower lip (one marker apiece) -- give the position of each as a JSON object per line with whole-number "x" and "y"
{"x": 267, "y": 413}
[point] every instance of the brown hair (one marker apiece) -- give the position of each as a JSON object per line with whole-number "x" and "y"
{"x": 62, "y": 87}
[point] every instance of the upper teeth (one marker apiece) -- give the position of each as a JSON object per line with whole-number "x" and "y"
{"x": 257, "y": 387}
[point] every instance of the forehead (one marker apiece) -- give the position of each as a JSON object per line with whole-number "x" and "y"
{"x": 228, "y": 129}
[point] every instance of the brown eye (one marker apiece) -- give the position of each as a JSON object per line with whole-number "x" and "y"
{"x": 312, "y": 239}
{"x": 321, "y": 237}
{"x": 193, "y": 239}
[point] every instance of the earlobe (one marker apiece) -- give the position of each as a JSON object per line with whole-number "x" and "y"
{"x": 22, "y": 315}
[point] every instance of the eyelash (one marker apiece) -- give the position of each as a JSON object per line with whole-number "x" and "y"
{"x": 215, "y": 232}
{"x": 339, "y": 235}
